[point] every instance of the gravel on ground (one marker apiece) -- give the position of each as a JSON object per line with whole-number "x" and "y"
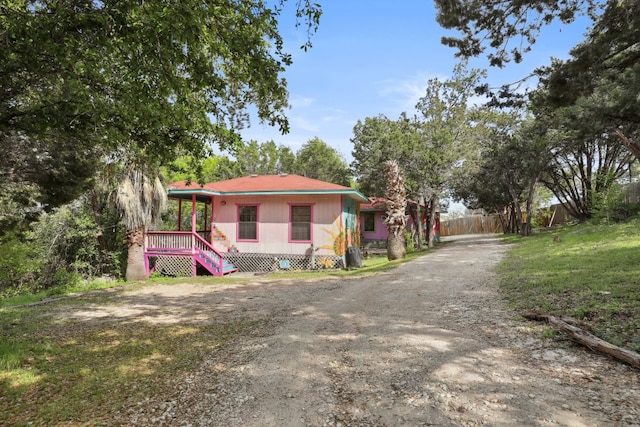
{"x": 428, "y": 343}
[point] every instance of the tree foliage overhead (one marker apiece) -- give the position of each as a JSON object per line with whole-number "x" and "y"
{"x": 137, "y": 79}
{"x": 599, "y": 84}
{"x": 506, "y": 29}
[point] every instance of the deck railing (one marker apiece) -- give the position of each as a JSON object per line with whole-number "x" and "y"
{"x": 169, "y": 241}
{"x": 180, "y": 246}
{"x": 202, "y": 245}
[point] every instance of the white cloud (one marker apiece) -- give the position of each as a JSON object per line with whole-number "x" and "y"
{"x": 404, "y": 94}
{"x": 298, "y": 101}
{"x": 302, "y": 123}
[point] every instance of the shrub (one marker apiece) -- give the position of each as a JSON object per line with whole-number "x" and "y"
{"x": 19, "y": 265}
{"x": 608, "y": 205}
{"x": 410, "y": 242}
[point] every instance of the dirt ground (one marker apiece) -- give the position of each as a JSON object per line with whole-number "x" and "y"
{"x": 429, "y": 343}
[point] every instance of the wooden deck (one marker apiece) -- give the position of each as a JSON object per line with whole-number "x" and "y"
{"x": 179, "y": 253}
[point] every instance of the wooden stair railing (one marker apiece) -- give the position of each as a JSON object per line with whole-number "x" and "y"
{"x": 184, "y": 243}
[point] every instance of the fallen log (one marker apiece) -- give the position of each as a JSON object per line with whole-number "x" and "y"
{"x": 588, "y": 339}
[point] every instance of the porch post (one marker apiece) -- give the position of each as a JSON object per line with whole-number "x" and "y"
{"x": 194, "y": 211}
{"x": 212, "y": 225}
{"x": 179, "y": 214}
{"x": 146, "y": 257}
{"x": 204, "y": 222}
{"x": 146, "y": 264}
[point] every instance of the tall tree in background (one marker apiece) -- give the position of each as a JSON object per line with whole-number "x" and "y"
{"x": 376, "y": 140}
{"x": 263, "y": 158}
{"x": 396, "y": 207}
{"x": 208, "y": 169}
{"x": 447, "y": 127}
{"x": 427, "y": 147}
{"x": 479, "y": 180}
{"x": 317, "y": 160}
{"x": 584, "y": 164}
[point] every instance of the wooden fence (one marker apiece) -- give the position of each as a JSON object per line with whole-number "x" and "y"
{"x": 554, "y": 215}
{"x": 482, "y": 223}
{"x": 475, "y": 224}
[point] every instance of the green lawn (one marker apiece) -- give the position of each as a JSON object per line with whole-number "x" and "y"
{"x": 58, "y": 372}
{"x": 589, "y": 272}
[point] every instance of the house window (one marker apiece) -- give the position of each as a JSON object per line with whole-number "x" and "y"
{"x": 247, "y": 222}
{"x": 300, "y": 223}
{"x": 368, "y": 222}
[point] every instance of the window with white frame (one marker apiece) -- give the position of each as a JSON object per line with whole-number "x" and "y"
{"x": 300, "y": 223}
{"x": 248, "y": 222}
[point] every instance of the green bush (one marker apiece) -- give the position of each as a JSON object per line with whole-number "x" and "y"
{"x": 611, "y": 206}
{"x": 19, "y": 266}
{"x": 71, "y": 240}
{"x": 410, "y": 242}
{"x": 63, "y": 248}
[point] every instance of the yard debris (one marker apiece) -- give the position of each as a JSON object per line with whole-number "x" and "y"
{"x": 565, "y": 324}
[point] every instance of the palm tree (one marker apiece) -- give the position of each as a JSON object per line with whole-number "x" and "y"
{"x": 396, "y": 208}
{"x": 140, "y": 201}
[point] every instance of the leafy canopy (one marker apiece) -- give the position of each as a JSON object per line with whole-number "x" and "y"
{"x": 83, "y": 82}
{"x": 492, "y": 25}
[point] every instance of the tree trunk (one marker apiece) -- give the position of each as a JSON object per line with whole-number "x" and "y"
{"x": 529, "y": 208}
{"x": 587, "y": 339}
{"x": 396, "y": 208}
{"x": 417, "y": 221}
{"x": 433, "y": 203}
{"x": 135, "y": 255}
{"x": 396, "y": 248}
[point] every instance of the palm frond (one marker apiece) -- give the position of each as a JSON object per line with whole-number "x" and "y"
{"x": 140, "y": 201}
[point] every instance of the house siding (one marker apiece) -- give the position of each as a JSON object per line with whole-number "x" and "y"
{"x": 380, "y": 232}
{"x": 273, "y": 227}
{"x": 378, "y": 238}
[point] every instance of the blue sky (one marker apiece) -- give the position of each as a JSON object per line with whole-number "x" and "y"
{"x": 372, "y": 57}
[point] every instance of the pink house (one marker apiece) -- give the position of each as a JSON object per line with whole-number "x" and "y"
{"x": 257, "y": 223}
{"x": 372, "y": 227}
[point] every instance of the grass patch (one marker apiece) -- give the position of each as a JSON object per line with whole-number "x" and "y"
{"x": 587, "y": 271}
{"x": 81, "y": 373}
{"x": 30, "y": 298}
{"x": 373, "y": 264}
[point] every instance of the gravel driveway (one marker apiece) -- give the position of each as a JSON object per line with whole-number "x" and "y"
{"x": 428, "y": 343}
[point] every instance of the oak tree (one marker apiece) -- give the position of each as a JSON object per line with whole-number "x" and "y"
{"x": 142, "y": 82}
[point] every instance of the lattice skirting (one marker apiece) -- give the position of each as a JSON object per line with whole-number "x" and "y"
{"x": 182, "y": 266}
{"x": 252, "y": 262}
{"x": 178, "y": 266}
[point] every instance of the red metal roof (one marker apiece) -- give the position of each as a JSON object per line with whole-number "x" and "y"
{"x": 285, "y": 183}
{"x": 376, "y": 204}
{"x": 380, "y": 204}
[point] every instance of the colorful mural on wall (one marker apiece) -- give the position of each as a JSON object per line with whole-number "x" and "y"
{"x": 343, "y": 236}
